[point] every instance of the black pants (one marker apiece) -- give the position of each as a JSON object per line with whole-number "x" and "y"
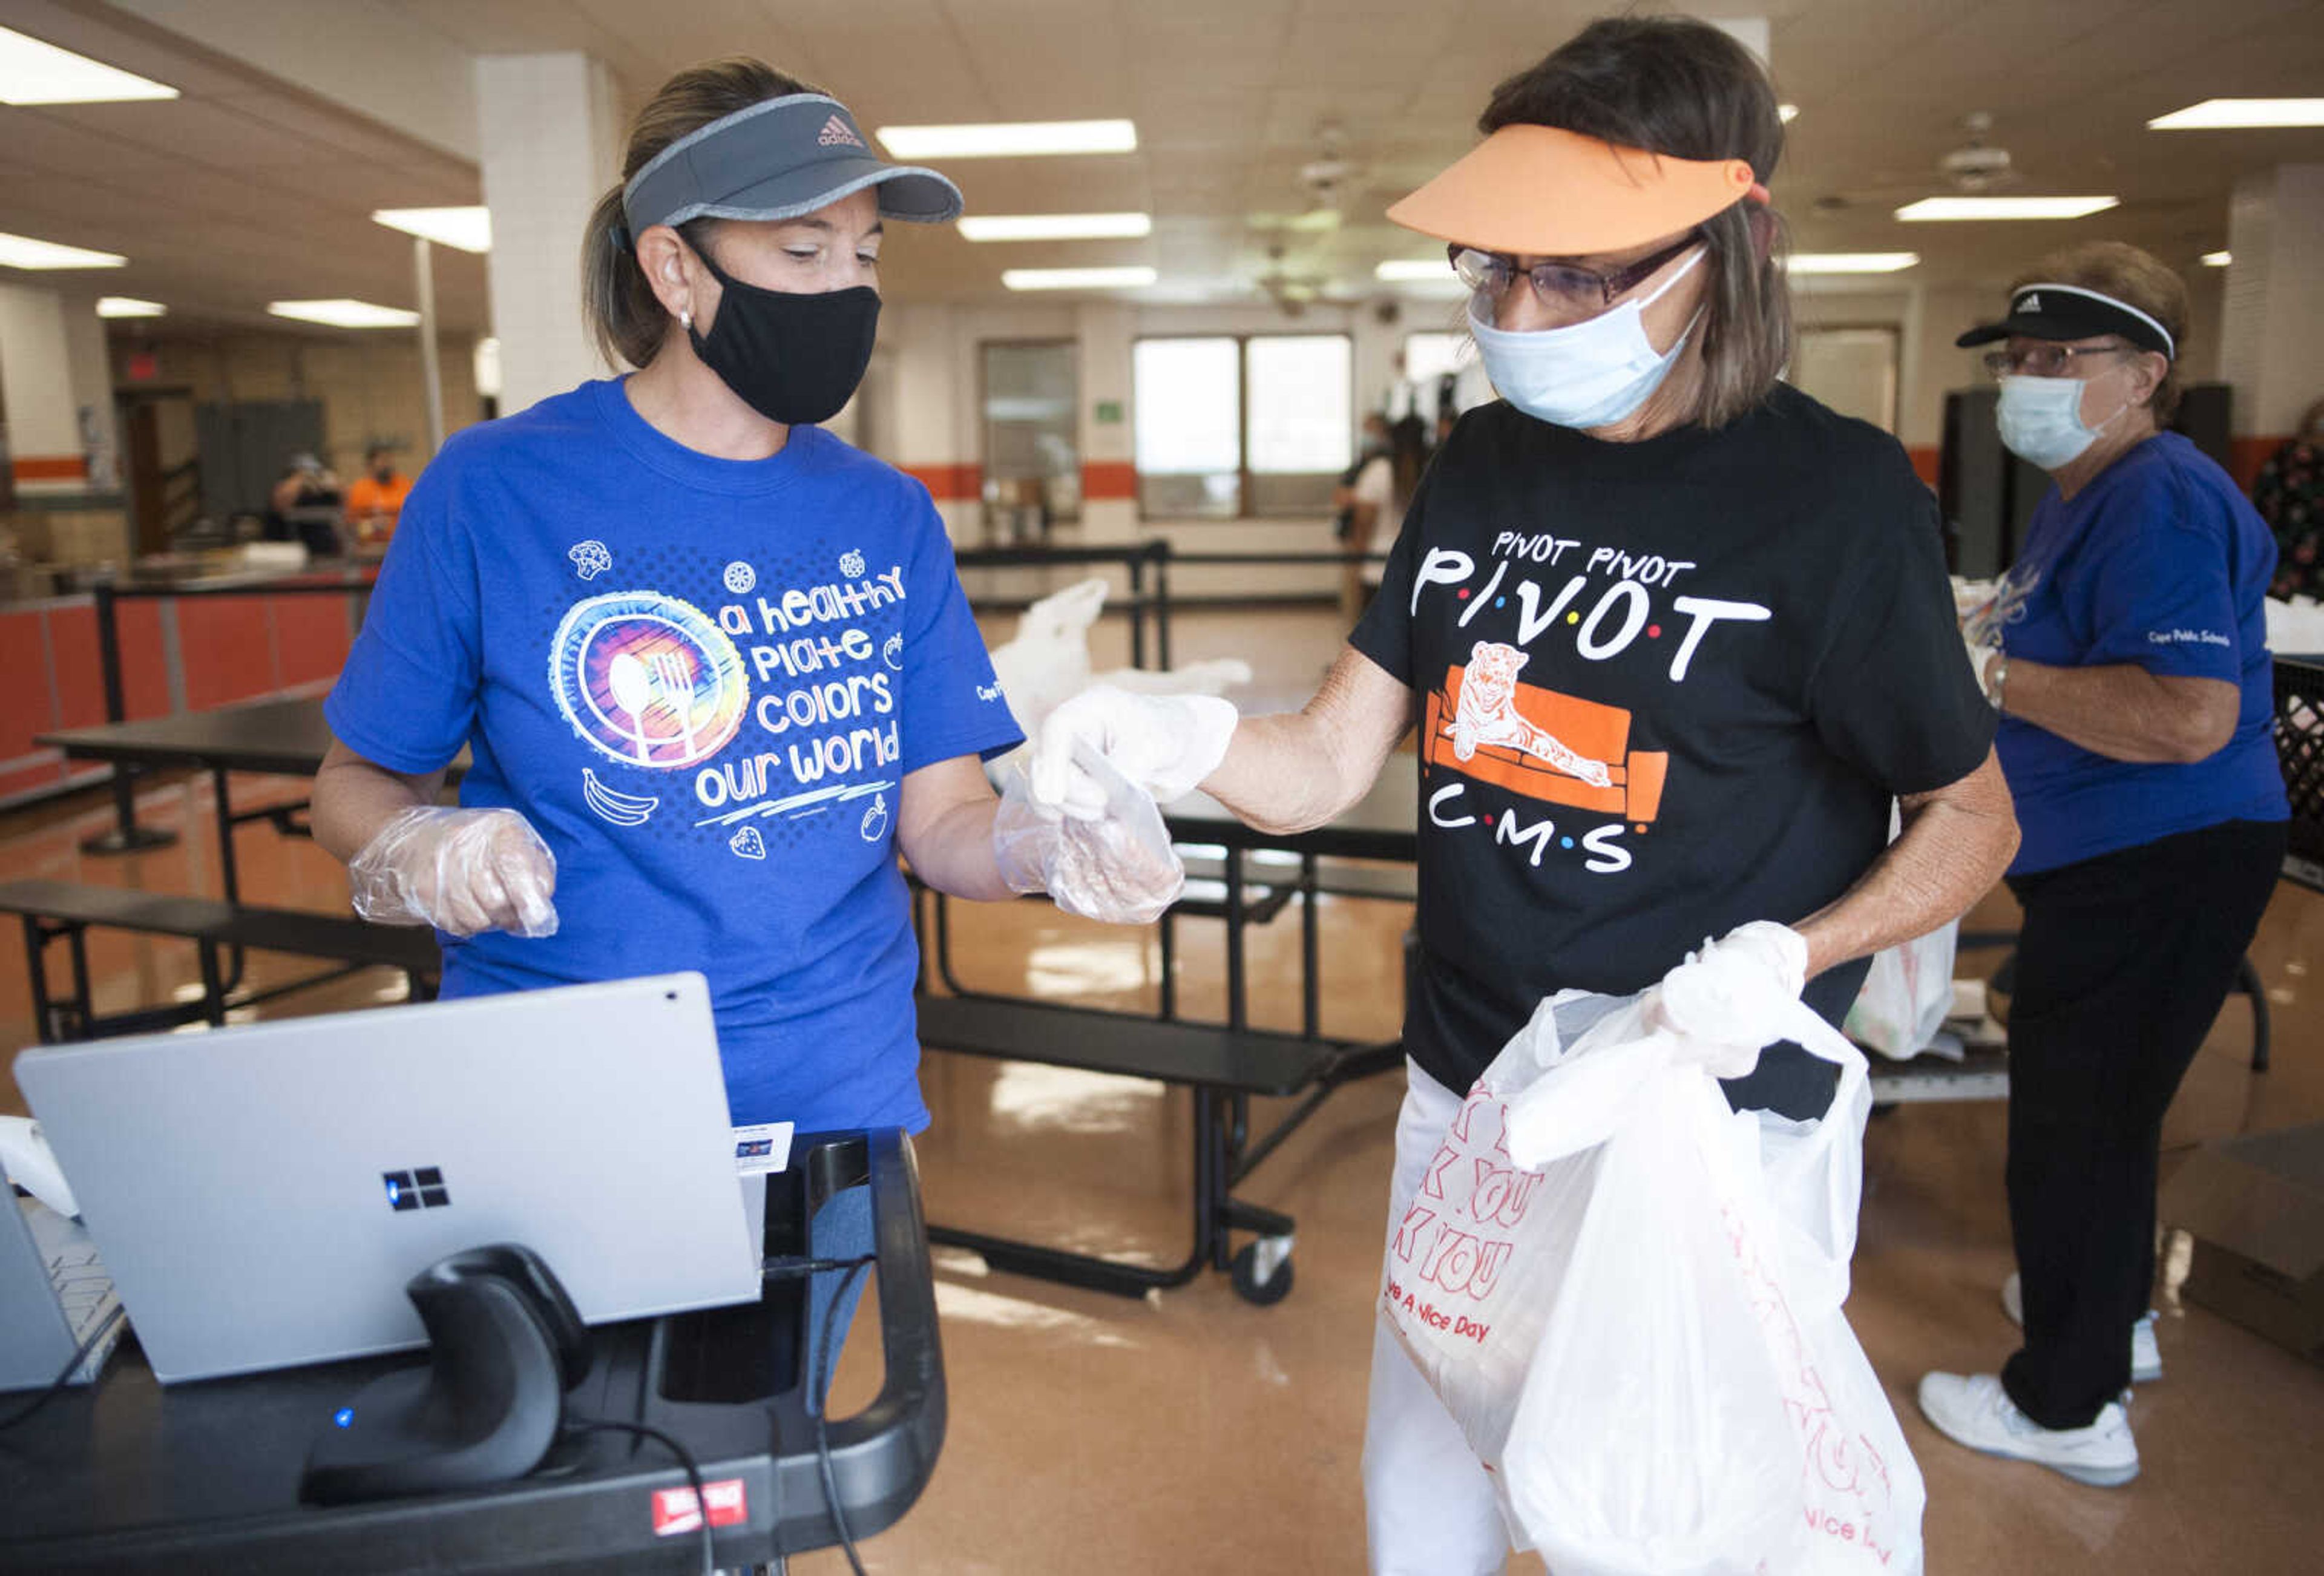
{"x": 2122, "y": 965}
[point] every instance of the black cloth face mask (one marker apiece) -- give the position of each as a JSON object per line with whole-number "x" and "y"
{"x": 795, "y": 359}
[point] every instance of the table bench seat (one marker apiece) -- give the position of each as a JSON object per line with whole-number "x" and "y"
{"x": 63, "y": 910}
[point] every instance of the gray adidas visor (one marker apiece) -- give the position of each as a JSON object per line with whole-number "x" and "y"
{"x": 778, "y": 159}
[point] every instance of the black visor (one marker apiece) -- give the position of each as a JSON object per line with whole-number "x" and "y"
{"x": 2069, "y": 311}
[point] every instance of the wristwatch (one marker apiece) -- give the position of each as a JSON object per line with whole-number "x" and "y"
{"x": 1996, "y": 678}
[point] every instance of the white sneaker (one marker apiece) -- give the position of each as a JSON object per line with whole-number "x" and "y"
{"x": 1974, "y": 1410}
{"x": 2145, "y": 1351}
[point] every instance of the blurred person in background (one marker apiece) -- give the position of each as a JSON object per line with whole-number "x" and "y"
{"x": 1677, "y": 635}
{"x": 376, "y": 497}
{"x": 309, "y": 506}
{"x": 2289, "y": 494}
{"x": 713, "y": 665}
{"x": 1365, "y": 497}
{"x": 2134, "y": 689}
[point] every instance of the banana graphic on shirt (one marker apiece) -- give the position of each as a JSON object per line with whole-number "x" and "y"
{"x": 619, "y": 809}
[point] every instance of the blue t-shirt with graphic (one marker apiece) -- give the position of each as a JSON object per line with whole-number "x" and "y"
{"x": 2161, "y": 562}
{"x": 704, "y": 681}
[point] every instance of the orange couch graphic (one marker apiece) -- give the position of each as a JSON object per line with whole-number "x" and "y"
{"x": 1594, "y": 732}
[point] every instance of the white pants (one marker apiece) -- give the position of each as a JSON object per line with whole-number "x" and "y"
{"x": 1429, "y": 1505}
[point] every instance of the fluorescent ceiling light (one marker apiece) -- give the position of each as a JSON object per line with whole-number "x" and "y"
{"x": 24, "y": 251}
{"x": 2235, "y": 113}
{"x": 128, "y": 307}
{"x": 469, "y": 229}
{"x": 1077, "y": 278}
{"x": 2005, "y": 208}
{"x": 344, "y": 314}
{"x": 1011, "y": 139}
{"x": 2218, "y": 259}
{"x": 1414, "y": 270}
{"x": 33, "y": 72}
{"x": 1055, "y": 226}
{"x": 1787, "y": 113}
{"x": 1851, "y": 262}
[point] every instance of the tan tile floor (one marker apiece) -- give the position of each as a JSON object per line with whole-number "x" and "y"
{"x": 1193, "y": 1432}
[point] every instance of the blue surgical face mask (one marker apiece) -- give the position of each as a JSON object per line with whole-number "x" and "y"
{"x": 2040, "y": 420}
{"x": 1590, "y": 374}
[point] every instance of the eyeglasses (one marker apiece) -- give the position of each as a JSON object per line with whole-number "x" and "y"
{"x": 1557, "y": 284}
{"x": 2045, "y": 359}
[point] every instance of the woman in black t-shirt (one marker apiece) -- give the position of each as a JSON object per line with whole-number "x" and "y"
{"x": 1675, "y": 636}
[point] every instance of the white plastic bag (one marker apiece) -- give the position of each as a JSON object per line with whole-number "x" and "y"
{"x": 1906, "y": 995}
{"x": 1628, "y": 1296}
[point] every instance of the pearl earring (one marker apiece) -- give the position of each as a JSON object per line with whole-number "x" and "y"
{"x": 685, "y": 319}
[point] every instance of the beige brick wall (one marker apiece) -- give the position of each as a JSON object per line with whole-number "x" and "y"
{"x": 369, "y": 383}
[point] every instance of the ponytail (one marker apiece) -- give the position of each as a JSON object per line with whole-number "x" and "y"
{"x": 626, "y": 319}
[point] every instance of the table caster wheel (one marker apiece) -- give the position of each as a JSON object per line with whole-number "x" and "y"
{"x": 1262, "y": 1272}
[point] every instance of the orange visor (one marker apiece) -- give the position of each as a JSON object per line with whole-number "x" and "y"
{"x": 1541, "y": 191}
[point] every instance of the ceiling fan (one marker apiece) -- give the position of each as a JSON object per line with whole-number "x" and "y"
{"x": 1975, "y": 169}
{"x": 1326, "y": 180}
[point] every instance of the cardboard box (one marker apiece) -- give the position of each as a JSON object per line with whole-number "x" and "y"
{"x": 2255, "y": 1207}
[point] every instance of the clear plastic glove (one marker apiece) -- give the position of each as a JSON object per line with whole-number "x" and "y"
{"x": 1735, "y": 993}
{"x": 460, "y": 871}
{"x": 1163, "y": 744}
{"x": 1118, "y": 866}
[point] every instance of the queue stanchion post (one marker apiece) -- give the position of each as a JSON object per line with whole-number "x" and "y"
{"x": 1162, "y": 603}
{"x": 126, "y": 835}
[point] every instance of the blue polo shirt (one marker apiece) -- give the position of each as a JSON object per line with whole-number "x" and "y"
{"x": 2161, "y": 562}
{"x": 703, "y": 682}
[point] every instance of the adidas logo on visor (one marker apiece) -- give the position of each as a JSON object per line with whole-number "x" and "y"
{"x": 837, "y": 133}
{"x": 2029, "y": 303}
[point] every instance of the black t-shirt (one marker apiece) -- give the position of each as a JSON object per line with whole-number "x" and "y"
{"x": 1664, "y": 688}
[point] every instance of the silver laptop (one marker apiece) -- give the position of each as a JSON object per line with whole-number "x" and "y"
{"x": 262, "y": 1193}
{"x": 55, "y": 1293}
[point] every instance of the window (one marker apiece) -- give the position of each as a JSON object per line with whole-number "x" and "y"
{"x": 1188, "y": 397}
{"x": 1852, "y": 370}
{"x": 1430, "y": 361}
{"x": 1032, "y": 446}
{"x": 1429, "y": 357}
{"x": 1230, "y": 426}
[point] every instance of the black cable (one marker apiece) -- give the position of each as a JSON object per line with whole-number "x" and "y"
{"x": 818, "y": 1387}
{"x": 57, "y": 1387}
{"x": 785, "y": 1268}
{"x": 684, "y": 1459}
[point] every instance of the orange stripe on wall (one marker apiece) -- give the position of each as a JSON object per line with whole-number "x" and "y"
{"x": 949, "y": 484}
{"x": 50, "y": 467}
{"x": 1113, "y": 479}
{"x": 1924, "y": 457}
{"x": 2246, "y": 455}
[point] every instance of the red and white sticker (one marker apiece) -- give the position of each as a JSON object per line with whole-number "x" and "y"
{"x": 675, "y": 1510}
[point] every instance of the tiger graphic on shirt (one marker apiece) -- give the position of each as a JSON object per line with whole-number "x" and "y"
{"x": 1487, "y": 714}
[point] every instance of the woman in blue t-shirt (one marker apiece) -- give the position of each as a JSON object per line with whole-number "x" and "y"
{"x": 713, "y": 665}
{"x": 2131, "y": 670}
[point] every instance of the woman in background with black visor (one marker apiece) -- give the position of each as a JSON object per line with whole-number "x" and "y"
{"x": 2128, "y": 657}
{"x": 713, "y": 666}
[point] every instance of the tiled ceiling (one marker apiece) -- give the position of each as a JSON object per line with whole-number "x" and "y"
{"x": 242, "y": 192}
{"x": 248, "y": 189}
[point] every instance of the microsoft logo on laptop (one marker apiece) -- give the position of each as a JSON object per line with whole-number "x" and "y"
{"x": 422, "y": 1189}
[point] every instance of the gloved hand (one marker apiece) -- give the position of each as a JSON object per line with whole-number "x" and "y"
{"x": 1735, "y": 993}
{"x": 460, "y": 871}
{"x": 1118, "y": 866}
{"x": 1163, "y": 744}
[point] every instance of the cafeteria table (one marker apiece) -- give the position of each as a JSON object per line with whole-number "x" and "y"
{"x": 290, "y": 737}
{"x": 286, "y": 737}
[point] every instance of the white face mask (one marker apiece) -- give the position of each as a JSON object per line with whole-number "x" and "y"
{"x": 2040, "y": 420}
{"x": 1586, "y": 374}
